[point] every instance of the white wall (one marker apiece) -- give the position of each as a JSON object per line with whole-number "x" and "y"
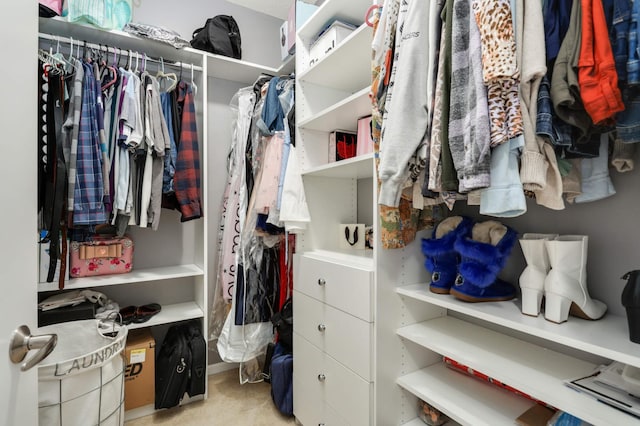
{"x": 259, "y": 32}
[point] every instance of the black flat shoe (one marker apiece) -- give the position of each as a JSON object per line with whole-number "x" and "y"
{"x": 128, "y": 314}
{"x": 145, "y": 312}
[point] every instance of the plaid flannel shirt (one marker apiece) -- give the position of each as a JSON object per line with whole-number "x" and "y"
{"x": 186, "y": 180}
{"x": 88, "y": 206}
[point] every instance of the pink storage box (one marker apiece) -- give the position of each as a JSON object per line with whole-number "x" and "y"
{"x": 102, "y": 256}
{"x": 365, "y": 143}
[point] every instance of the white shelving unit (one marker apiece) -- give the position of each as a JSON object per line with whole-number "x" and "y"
{"x": 171, "y": 266}
{"x": 606, "y": 337}
{"x": 330, "y": 71}
{"x": 413, "y": 328}
{"x": 331, "y": 95}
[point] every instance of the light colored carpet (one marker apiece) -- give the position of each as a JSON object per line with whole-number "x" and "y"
{"x": 229, "y": 404}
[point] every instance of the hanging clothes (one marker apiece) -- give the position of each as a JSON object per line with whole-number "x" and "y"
{"x": 187, "y": 174}
{"x": 88, "y": 208}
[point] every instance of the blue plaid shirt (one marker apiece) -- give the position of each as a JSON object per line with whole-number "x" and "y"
{"x": 88, "y": 206}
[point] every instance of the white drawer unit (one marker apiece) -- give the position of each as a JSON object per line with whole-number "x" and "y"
{"x": 344, "y": 287}
{"x": 342, "y": 336}
{"x": 320, "y": 380}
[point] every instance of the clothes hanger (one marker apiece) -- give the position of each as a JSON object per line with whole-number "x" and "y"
{"x": 111, "y": 69}
{"x": 71, "y": 50}
{"x": 171, "y": 77}
{"x": 193, "y": 83}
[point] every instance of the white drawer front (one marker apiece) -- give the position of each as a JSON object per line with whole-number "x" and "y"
{"x": 344, "y": 337}
{"x": 343, "y": 287}
{"x": 311, "y": 411}
{"x": 329, "y": 381}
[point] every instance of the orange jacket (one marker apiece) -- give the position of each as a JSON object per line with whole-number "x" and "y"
{"x": 597, "y": 75}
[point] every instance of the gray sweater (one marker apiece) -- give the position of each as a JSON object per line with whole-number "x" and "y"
{"x": 407, "y": 119}
{"x": 469, "y": 126}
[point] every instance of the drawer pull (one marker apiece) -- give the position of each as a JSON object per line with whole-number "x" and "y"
{"x": 322, "y": 327}
{"x": 321, "y": 377}
{"x": 321, "y": 281}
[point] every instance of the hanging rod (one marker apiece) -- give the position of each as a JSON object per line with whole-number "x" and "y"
{"x": 101, "y": 47}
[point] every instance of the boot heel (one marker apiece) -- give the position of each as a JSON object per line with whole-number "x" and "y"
{"x": 531, "y": 301}
{"x": 556, "y": 308}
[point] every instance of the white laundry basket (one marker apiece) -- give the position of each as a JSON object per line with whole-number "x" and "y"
{"x": 81, "y": 383}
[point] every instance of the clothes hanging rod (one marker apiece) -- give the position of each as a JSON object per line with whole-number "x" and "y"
{"x": 119, "y": 51}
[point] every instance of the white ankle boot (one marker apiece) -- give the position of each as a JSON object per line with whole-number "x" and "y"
{"x": 566, "y": 284}
{"x": 533, "y": 277}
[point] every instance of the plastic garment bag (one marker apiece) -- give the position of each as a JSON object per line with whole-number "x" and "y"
{"x": 233, "y": 206}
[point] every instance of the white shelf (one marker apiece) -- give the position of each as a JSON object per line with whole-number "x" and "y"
{"x": 607, "y": 337}
{"x": 235, "y": 70}
{"x": 351, "y": 11}
{"x": 358, "y": 259}
{"x": 221, "y": 67}
{"x": 346, "y": 68}
{"x": 463, "y": 398}
{"x": 288, "y": 66}
{"x": 113, "y": 38}
{"x": 343, "y": 115}
{"x": 531, "y": 369}
{"x": 359, "y": 167}
{"x": 170, "y": 314}
{"x": 135, "y": 276}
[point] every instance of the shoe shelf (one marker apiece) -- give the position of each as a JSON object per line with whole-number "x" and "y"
{"x": 342, "y": 115}
{"x": 171, "y": 314}
{"x": 532, "y": 369}
{"x": 465, "y": 399}
{"x": 347, "y": 67}
{"x": 135, "y": 276}
{"x": 606, "y": 337}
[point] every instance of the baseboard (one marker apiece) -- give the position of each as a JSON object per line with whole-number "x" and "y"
{"x": 221, "y": 367}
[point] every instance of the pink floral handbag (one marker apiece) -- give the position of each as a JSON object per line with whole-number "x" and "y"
{"x": 102, "y": 256}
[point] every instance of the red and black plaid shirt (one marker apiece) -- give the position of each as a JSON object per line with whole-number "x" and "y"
{"x": 187, "y": 177}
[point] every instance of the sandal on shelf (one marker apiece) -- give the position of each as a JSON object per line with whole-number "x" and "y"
{"x": 139, "y": 314}
{"x": 145, "y": 312}
{"x": 128, "y": 314}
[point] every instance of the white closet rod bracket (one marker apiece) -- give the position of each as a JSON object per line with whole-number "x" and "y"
{"x": 99, "y": 47}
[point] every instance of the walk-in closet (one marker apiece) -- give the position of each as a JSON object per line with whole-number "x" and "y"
{"x": 320, "y": 212}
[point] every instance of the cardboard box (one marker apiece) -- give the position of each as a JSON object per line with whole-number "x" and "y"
{"x": 328, "y": 40}
{"x": 140, "y": 373}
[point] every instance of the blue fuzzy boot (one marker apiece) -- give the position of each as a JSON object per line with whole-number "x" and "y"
{"x": 441, "y": 259}
{"x": 482, "y": 257}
